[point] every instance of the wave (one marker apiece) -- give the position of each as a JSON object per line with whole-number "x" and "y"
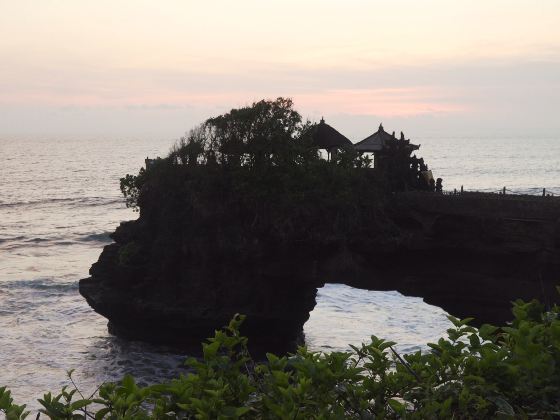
{"x": 15, "y": 238}
{"x": 40, "y": 284}
{"x": 17, "y": 242}
{"x": 89, "y": 201}
{"x": 37, "y": 240}
{"x": 97, "y": 237}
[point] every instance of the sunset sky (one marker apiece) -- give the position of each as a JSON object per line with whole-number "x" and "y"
{"x": 156, "y": 68}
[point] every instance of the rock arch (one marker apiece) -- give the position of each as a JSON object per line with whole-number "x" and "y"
{"x": 470, "y": 255}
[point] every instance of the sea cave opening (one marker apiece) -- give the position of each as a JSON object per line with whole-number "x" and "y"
{"x": 346, "y": 315}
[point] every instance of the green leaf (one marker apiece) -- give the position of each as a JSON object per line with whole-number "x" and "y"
{"x": 503, "y": 406}
{"x": 102, "y": 413}
{"x": 76, "y": 405}
{"x": 466, "y": 321}
{"x": 455, "y": 321}
{"x": 128, "y": 383}
{"x": 474, "y": 378}
{"x": 210, "y": 350}
{"x": 397, "y": 406}
{"x": 474, "y": 340}
{"x": 241, "y": 411}
{"x": 446, "y": 406}
{"x": 487, "y": 331}
{"x": 5, "y": 399}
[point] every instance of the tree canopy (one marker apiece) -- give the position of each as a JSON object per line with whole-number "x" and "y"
{"x": 267, "y": 133}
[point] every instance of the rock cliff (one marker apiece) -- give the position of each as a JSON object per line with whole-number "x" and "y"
{"x": 243, "y": 216}
{"x": 168, "y": 281}
{"x": 473, "y": 254}
{"x": 214, "y": 241}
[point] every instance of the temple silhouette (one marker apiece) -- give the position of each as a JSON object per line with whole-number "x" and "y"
{"x": 390, "y": 156}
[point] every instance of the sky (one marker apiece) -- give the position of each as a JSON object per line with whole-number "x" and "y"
{"x": 157, "y": 68}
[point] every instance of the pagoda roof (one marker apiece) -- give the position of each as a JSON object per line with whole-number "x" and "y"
{"x": 326, "y": 137}
{"x": 379, "y": 140}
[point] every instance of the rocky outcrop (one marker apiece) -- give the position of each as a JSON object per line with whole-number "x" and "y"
{"x": 473, "y": 254}
{"x": 168, "y": 281}
{"x": 164, "y": 295}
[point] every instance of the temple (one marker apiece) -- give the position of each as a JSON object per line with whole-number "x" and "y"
{"x": 327, "y": 138}
{"x": 392, "y": 157}
{"x": 384, "y": 145}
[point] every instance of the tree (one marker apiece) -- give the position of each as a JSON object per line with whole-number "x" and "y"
{"x": 263, "y": 134}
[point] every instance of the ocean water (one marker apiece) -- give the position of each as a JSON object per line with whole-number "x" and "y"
{"x": 60, "y": 199}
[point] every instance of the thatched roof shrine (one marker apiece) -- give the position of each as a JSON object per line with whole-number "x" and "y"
{"x": 380, "y": 140}
{"x": 326, "y": 137}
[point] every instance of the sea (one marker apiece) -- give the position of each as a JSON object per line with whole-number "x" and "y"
{"x": 60, "y": 200}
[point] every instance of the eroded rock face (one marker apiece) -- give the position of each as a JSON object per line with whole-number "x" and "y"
{"x": 474, "y": 254}
{"x": 163, "y": 296}
{"x": 212, "y": 241}
{"x": 165, "y": 281}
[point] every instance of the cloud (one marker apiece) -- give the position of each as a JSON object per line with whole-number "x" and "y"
{"x": 520, "y": 95}
{"x": 383, "y": 102}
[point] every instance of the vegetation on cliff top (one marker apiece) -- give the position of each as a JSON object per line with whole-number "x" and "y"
{"x": 254, "y": 175}
{"x": 268, "y": 136}
{"x": 508, "y": 372}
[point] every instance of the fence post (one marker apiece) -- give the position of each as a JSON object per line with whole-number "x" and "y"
{"x": 504, "y": 191}
{"x": 461, "y": 189}
{"x": 544, "y": 192}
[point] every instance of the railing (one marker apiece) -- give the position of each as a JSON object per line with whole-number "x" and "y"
{"x": 501, "y": 192}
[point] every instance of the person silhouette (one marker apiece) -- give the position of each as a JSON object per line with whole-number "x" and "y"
{"x": 439, "y": 186}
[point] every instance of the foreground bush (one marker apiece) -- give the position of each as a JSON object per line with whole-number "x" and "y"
{"x": 491, "y": 372}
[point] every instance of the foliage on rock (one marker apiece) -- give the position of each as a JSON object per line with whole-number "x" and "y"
{"x": 253, "y": 175}
{"x": 507, "y": 372}
{"x": 131, "y": 186}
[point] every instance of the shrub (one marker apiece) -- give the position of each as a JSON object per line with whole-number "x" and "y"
{"x": 131, "y": 185}
{"x": 505, "y": 372}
